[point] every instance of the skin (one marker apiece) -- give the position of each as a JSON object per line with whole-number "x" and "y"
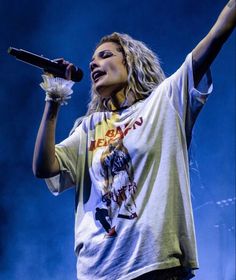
{"x": 207, "y": 50}
{"x": 113, "y": 84}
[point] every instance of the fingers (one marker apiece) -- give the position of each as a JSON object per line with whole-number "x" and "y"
{"x": 68, "y": 71}
{"x": 68, "y": 65}
{"x": 59, "y": 60}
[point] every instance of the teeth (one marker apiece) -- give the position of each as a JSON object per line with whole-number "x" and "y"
{"x": 97, "y": 74}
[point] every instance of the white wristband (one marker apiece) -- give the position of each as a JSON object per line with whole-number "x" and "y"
{"x": 57, "y": 89}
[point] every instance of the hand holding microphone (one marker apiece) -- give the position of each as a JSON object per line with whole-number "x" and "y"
{"x": 58, "y": 67}
{"x": 58, "y": 88}
{"x": 69, "y": 68}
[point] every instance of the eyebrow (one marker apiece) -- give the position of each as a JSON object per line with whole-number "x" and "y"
{"x": 102, "y": 52}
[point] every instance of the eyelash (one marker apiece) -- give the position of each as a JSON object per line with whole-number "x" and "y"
{"x": 106, "y": 55}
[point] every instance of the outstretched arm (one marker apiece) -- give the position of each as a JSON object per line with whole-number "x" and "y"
{"x": 206, "y": 51}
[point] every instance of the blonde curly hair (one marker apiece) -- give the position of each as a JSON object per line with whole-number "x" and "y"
{"x": 143, "y": 67}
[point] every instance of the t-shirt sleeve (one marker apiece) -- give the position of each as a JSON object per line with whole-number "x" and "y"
{"x": 67, "y": 153}
{"x": 187, "y": 99}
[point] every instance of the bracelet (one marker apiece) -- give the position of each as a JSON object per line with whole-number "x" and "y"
{"x": 57, "y": 89}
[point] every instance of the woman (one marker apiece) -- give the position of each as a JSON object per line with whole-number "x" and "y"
{"x": 128, "y": 157}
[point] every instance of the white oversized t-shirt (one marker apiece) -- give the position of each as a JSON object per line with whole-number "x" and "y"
{"x": 131, "y": 173}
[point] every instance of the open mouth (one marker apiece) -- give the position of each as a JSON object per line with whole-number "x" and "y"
{"x": 97, "y": 75}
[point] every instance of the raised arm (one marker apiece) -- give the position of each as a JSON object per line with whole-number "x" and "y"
{"x": 206, "y": 51}
{"x": 45, "y": 163}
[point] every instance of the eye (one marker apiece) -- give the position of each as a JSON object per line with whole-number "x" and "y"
{"x": 106, "y": 54}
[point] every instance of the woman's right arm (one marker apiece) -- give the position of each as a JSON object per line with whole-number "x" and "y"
{"x": 45, "y": 163}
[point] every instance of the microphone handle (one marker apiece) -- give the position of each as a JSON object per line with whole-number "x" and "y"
{"x": 46, "y": 64}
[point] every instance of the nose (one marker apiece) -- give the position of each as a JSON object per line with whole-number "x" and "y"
{"x": 93, "y": 65}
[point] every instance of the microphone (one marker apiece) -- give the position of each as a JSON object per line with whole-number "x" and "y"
{"x": 50, "y": 66}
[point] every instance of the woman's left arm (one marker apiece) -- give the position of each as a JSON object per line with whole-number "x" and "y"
{"x": 206, "y": 51}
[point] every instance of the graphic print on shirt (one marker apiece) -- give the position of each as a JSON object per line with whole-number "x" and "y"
{"x": 118, "y": 188}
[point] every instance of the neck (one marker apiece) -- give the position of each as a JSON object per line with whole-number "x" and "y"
{"x": 118, "y": 101}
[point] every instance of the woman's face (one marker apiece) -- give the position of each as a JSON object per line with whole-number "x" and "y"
{"x": 108, "y": 71}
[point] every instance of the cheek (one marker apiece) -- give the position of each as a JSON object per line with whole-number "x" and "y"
{"x": 120, "y": 73}
{"x": 117, "y": 68}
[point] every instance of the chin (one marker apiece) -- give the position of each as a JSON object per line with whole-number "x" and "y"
{"x": 102, "y": 91}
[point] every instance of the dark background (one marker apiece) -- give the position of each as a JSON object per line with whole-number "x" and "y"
{"x": 36, "y": 229}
